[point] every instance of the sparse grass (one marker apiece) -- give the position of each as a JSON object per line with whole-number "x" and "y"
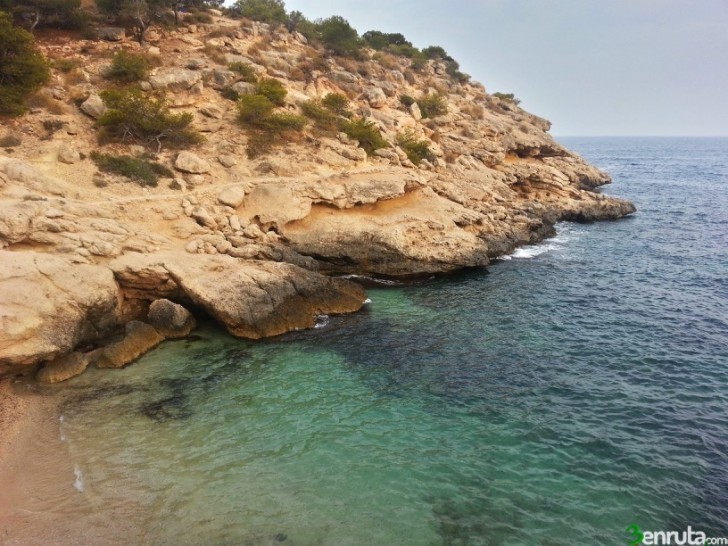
{"x": 324, "y": 118}
{"x": 366, "y": 133}
{"x": 65, "y": 65}
{"x": 43, "y": 100}
{"x": 52, "y": 126}
{"x": 141, "y": 171}
{"x": 215, "y": 53}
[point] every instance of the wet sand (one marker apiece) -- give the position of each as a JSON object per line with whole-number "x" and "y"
{"x": 41, "y": 500}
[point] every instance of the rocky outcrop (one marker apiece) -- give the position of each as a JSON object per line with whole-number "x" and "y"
{"x": 249, "y": 240}
{"x": 50, "y": 305}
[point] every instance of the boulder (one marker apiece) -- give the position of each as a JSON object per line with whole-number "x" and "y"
{"x": 232, "y": 197}
{"x": 227, "y": 160}
{"x": 375, "y": 97}
{"x": 68, "y": 154}
{"x": 94, "y": 106}
{"x": 170, "y": 319}
{"x": 191, "y": 163}
{"x": 244, "y": 88}
{"x": 177, "y": 79}
{"x": 111, "y": 34}
{"x": 140, "y": 338}
{"x": 63, "y": 368}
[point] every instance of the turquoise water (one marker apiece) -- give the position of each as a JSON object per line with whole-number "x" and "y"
{"x": 555, "y": 398}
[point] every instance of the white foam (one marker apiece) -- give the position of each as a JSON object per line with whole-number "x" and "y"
{"x": 367, "y": 301}
{"x": 78, "y": 484}
{"x": 321, "y": 321}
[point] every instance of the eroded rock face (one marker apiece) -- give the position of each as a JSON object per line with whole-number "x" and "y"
{"x": 50, "y": 305}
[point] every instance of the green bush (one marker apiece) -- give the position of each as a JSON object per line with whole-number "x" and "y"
{"x": 252, "y": 109}
{"x": 337, "y": 103}
{"x": 141, "y": 171}
{"x": 279, "y": 123}
{"x": 323, "y": 117}
{"x": 510, "y": 97}
{"x": 129, "y": 67}
{"x": 436, "y": 52}
{"x": 406, "y": 100}
{"x": 366, "y": 133}
{"x": 245, "y": 70}
{"x": 147, "y": 120}
{"x": 266, "y": 11}
{"x": 432, "y": 105}
{"x": 416, "y": 150}
{"x": 380, "y": 40}
{"x": 453, "y": 70}
{"x": 10, "y": 141}
{"x": 229, "y": 93}
{"x": 274, "y": 90}
{"x": 23, "y": 70}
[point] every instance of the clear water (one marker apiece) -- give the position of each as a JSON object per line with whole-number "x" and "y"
{"x": 562, "y": 395}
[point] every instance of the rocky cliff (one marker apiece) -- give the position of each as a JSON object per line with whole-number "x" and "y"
{"x": 257, "y": 243}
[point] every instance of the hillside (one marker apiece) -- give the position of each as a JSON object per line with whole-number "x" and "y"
{"x": 252, "y": 227}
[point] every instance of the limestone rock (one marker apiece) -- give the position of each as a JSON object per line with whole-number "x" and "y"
{"x": 140, "y": 338}
{"x": 170, "y": 319}
{"x": 68, "y": 153}
{"x": 191, "y": 163}
{"x": 63, "y": 368}
{"x": 244, "y": 88}
{"x": 375, "y": 97}
{"x": 261, "y": 299}
{"x": 227, "y": 160}
{"x": 94, "y": 106}
{"x": 232, "y": 197}
{"x": 49, "y": 305}
{"x": 204, "y": 218}
{"x": 178, "y": 79}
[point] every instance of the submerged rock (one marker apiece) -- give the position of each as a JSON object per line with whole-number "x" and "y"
{"x": 140, "y": 338}
{"x": 63, "y": 368}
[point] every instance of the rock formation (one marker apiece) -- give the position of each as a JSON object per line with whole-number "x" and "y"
{"x": 256, "y": 243}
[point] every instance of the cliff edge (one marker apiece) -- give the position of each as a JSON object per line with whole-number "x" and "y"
{"x": 256, "y": 239}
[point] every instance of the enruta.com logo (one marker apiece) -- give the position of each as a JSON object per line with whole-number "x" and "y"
{"x": 638, "y": 537}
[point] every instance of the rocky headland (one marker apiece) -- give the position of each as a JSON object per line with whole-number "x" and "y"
{"x": 96, "y": 270}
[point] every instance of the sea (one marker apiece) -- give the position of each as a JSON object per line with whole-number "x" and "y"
{"x": 574, "y": 392}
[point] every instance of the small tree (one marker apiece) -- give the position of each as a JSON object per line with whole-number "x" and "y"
{"x": 137, "y": 118}
{"x": 339, "y": 36}
{"x": 266, "y": 11}
{"x": 55, "y": 13}
{"x": 141, "y": 14}
{"x": 23, "y": 70}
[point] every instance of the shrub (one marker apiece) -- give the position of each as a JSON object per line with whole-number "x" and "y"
{"x": 509, "y": 97}
{"x": 406, "y": 100}
{"x": 323, "y": 117}
{"x": 141, "y": 171}
{"x": 432, "y": 105}
{"x": 252, "y": 109}
{"x": 247, "y": 74}
{"x": 380, "y": 40}
{"x": 366, "y": 133}
{"x": 453, "y": 70}
{"x": 23, "y": 70}
{"x": 10, "y": 141}
{"x": 274, "y": 90}
{"x": 339, "y": 36}
{"x": 129, "y": 67}
{"x": 416, "y": 150}
{"x": 266, "y": 11}
{"x": 337, "y": 103}
{"x": 52, "y": 126}
{"x": 132, "y": 116}
{"x": 65, "y": 65}
{"x": 436, "y": 52}
{"x": 229, "y": 93}
{"x": 279, "y": 123}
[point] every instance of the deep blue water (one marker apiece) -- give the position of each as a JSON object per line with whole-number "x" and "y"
{"x": 555, "y": 398}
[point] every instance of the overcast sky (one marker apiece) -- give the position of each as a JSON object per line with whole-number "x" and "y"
{"x": 593, "y": 67}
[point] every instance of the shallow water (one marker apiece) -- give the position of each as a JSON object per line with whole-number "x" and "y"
{"x": 562, "y": 395}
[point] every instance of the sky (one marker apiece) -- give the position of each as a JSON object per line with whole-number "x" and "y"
{"x": 592, "y": 67}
